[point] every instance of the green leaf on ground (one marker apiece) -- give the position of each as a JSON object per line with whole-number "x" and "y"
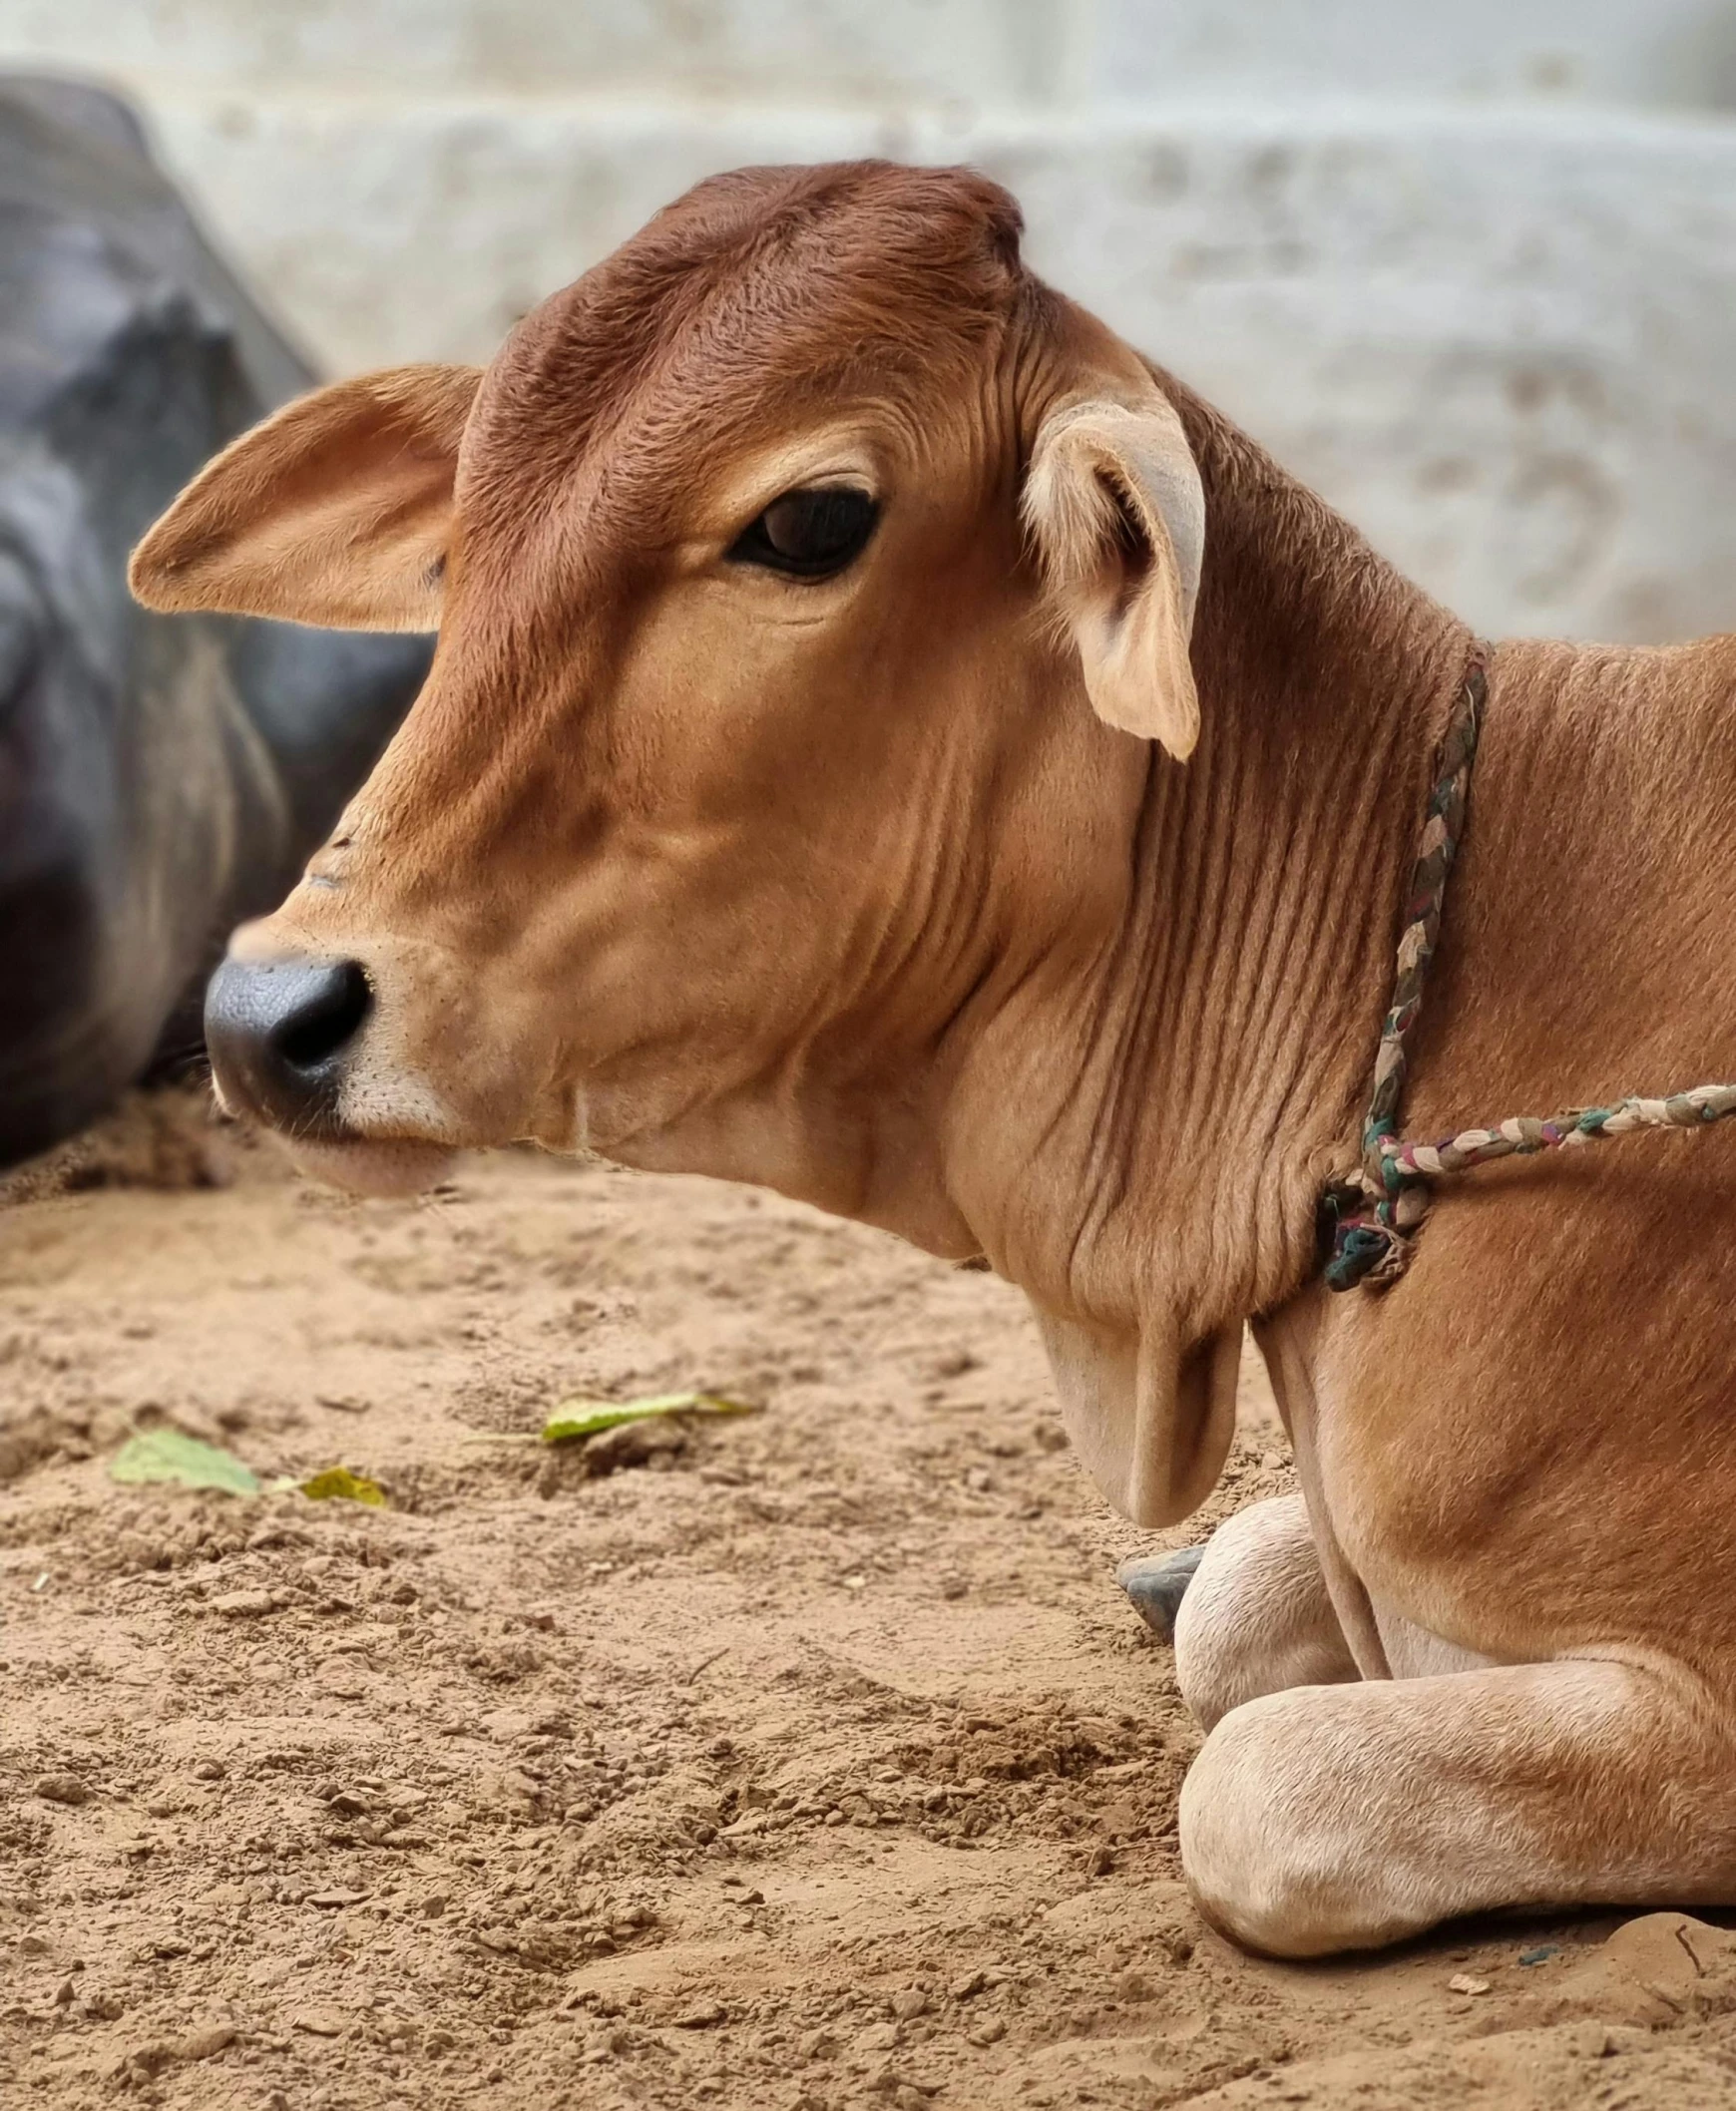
{"x": 337, "y": 1483}
{"x": 182, "y": 1462}
{"x": 584, "y": 1417}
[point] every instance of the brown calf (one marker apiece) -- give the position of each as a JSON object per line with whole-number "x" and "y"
{"x": 889, "y": 742}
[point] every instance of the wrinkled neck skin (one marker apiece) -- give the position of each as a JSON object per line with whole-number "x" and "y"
{"x": 1116, "y": 1014}
{"x": 1142, "y": 1150}
{"x": 1102, "y": 1017}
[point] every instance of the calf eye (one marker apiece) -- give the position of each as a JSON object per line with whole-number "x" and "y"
{"x": 810, "y": 533}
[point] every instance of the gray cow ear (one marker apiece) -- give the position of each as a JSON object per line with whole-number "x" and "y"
{"x": 1114, "y": 505}
{"x": 336, "y": 512}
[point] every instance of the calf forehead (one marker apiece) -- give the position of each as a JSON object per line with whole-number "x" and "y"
{"x": 753, "y": 293}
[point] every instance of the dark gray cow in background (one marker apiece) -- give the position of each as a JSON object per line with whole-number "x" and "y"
{"x": 159, "y": 780}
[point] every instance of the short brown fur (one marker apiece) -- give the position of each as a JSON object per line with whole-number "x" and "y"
{"x": 855, "y": 895}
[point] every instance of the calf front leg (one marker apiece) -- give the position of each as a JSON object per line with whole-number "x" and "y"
{"x": 1255, "y": 1616}
{"x": 1335, "y": 1818}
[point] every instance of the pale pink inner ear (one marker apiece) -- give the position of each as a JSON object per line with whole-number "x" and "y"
{"x": 337, "y": 511}
{"x": 1114, "y": 505}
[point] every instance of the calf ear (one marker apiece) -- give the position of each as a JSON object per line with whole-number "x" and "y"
{"x": 337, "y": 511}
{"x": 1114, "y": 504}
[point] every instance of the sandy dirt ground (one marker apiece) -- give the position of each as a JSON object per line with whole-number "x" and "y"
{"x": 813, "y": 1762}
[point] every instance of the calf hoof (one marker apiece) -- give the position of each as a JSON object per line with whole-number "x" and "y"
{"x": 1155, "y": 1583}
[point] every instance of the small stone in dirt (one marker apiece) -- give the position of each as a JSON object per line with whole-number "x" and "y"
{"x": 817, "y": 2046}
{"x": 973, "y": 1982}
{"x": 435, "y": 1905}
{"x": 906, "y": 2092}
{"x": 32, "y": 1947}
{"x": 1099, "y": 1862}
{"x": 205, "y": 2040}
{"x": 209, "y": 1770}
{"x": 909, "y": 2004}
{"x": 504, "y": 1724}
{"x": 987, "y": 2033}
{"x": 142, "y": 2064}
{"x": 705, "y": 2014}
{"x": 631, "y": 1443}
{"x": 62, "y": 1993}
{"x": 1463, "y": 1982}
{"x": 336, "y": 1898}
{"x": 317, "y": 2022}
{"x": 954, "y": 1586}
{"x": 242, "y": 1605}
{"x": 62, "y": 1788}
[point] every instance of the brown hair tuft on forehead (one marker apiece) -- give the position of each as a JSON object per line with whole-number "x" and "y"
{"x": 954, "y": 213}
{"x": 749, "y": 279}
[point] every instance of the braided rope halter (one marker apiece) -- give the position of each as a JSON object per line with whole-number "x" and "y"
{"x": 1375, "y": 1217}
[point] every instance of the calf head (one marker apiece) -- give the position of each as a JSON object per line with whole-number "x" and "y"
{"x": 810, "y": 584}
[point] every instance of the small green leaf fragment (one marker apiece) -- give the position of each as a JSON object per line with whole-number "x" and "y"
{"x": 585, "y": 1416}
{"x": 182, "y": 1462}
{"x": 338, "y": 1483}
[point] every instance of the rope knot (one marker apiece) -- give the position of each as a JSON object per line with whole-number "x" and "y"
{"x": 1368, "y": 1222}
{"x": 1369, "y": 1252}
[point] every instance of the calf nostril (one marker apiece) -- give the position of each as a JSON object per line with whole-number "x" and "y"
{"x": 281, "y": 1033}
{"x": 328, "y": 1014}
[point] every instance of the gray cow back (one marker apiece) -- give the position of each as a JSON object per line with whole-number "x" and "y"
{"x": 159, "y": 778}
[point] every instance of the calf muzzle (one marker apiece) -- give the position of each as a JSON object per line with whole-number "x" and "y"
{"x": 281, "y": 1033}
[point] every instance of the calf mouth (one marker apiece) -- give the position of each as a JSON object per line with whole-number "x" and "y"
{"x": 381, "y": 1166}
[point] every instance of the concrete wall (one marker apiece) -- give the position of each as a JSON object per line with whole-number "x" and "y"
{"x": 889, "y": 54}
{"x": 1467, "y": 268}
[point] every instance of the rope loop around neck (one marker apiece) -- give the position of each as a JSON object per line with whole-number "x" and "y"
{"x": 1374, "y": 1219}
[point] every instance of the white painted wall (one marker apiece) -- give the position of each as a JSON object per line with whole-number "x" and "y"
{"x": 886, "y": 53}
{"x": 1467, "y": 268}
